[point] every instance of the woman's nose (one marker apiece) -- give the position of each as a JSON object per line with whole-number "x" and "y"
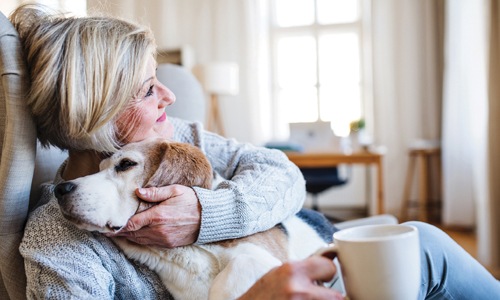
{"x": 167, "y": 97}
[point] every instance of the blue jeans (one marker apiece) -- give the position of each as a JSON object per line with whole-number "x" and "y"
{"x": 448, "y": 271}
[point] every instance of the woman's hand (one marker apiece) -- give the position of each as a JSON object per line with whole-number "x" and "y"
{"x": 296, "y": 280}
{"x": 174, "y": 222}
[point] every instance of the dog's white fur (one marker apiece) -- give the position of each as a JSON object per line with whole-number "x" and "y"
{"x": 225, "y": 270}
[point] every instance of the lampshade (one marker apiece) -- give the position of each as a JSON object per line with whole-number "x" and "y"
{"x": 220, "y": 78}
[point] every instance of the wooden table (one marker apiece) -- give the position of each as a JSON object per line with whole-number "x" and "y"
{"x": 329, "y": 159}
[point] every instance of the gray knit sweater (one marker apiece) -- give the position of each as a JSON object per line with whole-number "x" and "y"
{"x": 63, "y": 262}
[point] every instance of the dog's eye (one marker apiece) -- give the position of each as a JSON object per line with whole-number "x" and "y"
{"x": 124, "y": 165}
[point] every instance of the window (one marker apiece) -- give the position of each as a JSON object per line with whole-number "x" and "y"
{"x": 317, "y": 71}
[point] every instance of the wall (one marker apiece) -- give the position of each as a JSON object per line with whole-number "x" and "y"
{"x": 7, "y": 6}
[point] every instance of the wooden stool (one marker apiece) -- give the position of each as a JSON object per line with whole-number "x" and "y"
{"x": 428, "y": 158}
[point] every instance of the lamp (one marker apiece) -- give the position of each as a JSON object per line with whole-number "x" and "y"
{"x": 218, "y": 78}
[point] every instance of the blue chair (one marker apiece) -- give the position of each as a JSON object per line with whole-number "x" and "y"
{"x": 321, "y": 179}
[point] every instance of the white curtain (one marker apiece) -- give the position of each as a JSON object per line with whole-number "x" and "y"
{"x": 216, "y": 30}
{"x": 465, "y": 110}
{"x": 407, "y": 83}
{"x": 471, "y": 142}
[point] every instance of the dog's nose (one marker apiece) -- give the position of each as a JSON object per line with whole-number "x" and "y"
{"x": 63, "y": 188}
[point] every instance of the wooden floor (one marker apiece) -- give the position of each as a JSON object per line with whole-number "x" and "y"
{"x": 464, "y": 237}
{"x": 467, "y": 238}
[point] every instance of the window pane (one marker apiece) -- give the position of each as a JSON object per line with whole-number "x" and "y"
{"x": 340, "y": 92}
{"x": 339, "y": 58}
{"x": 76, "y": 7}
{"x": 50, "y": 3}
{"x": 298, "y": 104}
{"x": 337, "y": 11}
{"x": 294, "y": 12}
{"x": 340, "y": 104}
{"x": 296, "y": 61}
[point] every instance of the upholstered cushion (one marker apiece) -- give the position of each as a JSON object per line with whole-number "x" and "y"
{"x": 190, "y": 104}
{"x": 17, "y": 144}
{"x": 47, "y": 161}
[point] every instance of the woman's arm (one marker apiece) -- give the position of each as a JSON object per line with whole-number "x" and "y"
{"x": 261, "y": 187}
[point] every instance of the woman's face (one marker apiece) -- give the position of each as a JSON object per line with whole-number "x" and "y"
{"x": 148, "y": 111}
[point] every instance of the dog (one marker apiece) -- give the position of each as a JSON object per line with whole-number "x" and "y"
{"x": 105, "y": 201}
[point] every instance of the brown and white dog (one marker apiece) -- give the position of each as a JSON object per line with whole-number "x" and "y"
{"x": 223, "y": 270}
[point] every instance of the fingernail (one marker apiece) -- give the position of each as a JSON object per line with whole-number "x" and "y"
{"x": 142, "y": 191}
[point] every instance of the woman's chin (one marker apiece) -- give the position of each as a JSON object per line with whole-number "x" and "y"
{"x": 166, "y": 130}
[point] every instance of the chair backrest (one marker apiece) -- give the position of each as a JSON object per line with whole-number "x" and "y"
{"x": 24, "y": 165}
{"x": 190, "y": 104}
{"x": 18, "y": 147}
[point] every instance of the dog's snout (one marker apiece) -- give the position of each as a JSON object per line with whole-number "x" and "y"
{"x": 63, "y": 188}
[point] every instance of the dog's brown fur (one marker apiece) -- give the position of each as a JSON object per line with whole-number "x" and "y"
{"x": 176, "y": 163}
{"x": 273, "y": 240}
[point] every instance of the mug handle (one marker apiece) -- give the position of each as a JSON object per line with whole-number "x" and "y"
{"x": 329, "y": 251}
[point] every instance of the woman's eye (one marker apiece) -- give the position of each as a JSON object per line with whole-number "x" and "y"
{"x": 124, "y": 165}
{"x": 150, "y": 91}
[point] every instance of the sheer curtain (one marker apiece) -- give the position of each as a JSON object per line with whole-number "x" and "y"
{"x": 465, "y": 110}
{"x": 407, "y": 83}
{"x": 471, "y": 122}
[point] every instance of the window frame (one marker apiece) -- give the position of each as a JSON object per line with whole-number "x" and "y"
{"x": 361, "y": 27}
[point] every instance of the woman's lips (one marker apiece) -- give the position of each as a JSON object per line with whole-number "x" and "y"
{"x": 162, "y": 118}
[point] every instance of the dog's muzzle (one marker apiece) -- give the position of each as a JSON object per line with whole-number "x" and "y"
{"x": 63, "y": 192}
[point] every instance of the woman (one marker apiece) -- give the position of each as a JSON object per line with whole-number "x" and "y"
{"x": 93, "y": 90}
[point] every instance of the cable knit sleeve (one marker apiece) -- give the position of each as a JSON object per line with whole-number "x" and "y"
{"x": 261, "y": 187}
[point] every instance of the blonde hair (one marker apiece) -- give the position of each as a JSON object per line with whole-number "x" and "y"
{"x": 84, "y": 72}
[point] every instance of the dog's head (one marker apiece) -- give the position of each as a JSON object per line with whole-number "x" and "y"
{"x": 106, "y": 200}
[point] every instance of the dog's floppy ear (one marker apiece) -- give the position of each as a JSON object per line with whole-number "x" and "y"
{"x": 182, "y": 164}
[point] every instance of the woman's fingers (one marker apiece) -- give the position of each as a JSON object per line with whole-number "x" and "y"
{"x": 159, "y": 194}
{"x": 319, "y": 268}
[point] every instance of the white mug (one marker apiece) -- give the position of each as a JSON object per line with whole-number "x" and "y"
{"x": 378, "y": 261}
